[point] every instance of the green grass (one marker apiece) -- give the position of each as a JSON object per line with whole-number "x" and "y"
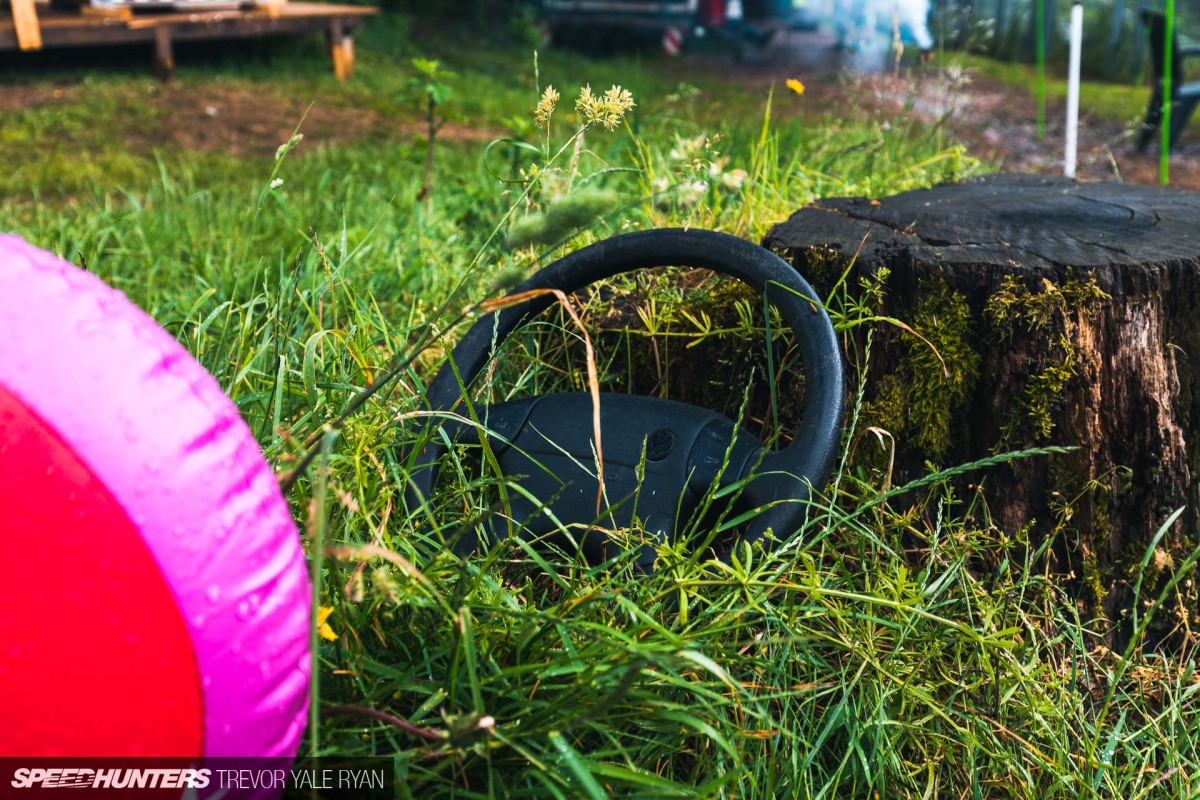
{"x": 898, "y": 646}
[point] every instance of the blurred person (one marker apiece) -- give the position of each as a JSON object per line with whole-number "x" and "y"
{"x": 912, "y": 17}
{"x": 858, "y": 21}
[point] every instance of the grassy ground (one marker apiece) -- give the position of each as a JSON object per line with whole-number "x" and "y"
{"x": 1115, "y": 102}
{"x": 867, "y": 656}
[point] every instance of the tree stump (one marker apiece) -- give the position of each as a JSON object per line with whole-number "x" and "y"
{"x": 1066, "y": 314}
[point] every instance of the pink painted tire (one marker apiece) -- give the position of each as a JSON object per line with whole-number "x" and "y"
{"x": 154, "y": 592}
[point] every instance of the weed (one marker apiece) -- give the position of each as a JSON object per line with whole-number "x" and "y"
{"x": 431, "y": 84}
{"x": 559, "y": 200}
{"x": 1053, "y": 309}
{"x": 919, "y": 399}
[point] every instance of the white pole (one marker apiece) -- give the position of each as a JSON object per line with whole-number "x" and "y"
{"x": 1073, "y": 90}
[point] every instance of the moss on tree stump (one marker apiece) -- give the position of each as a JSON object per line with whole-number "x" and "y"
{"x": 1065, "y": 313}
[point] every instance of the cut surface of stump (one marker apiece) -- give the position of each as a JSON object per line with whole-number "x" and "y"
{"x": 1049, "y": 312}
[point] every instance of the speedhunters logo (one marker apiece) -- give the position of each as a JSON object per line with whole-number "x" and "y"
{"x": 199, "y": 778}
{"x": 85, "y": 778}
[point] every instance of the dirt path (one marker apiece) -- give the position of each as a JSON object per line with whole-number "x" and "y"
{"x": 239, "y": 118}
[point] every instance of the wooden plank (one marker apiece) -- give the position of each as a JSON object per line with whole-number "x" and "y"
{"x": 282, "y": 11}
{"x": 164, "y": 53}
{"x": 62, "y": 29}
{"x": 341, "y": 49}
{"x": 327, "y": 9}
{"x": 29, "y": 33}
{"x": 272, "y": 8}
{"x": 197, "y": 18}
{"x": 343, "y": 58}
{"x": 121, "y": 12}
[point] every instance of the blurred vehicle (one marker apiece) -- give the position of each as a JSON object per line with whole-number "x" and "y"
{"x": 676, "y": 23}
{"x": 796, "y": 15}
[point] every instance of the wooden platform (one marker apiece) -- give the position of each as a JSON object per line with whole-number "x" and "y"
{"x": 162, "y": 28}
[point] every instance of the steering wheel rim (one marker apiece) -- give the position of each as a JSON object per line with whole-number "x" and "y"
{"x": 782, "y": 475}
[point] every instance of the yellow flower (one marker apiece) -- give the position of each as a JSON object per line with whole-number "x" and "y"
{"x": 795, "y": 85}
{"x": 607, "y": 110}
{"x": 323, "y": 627}
{"x": 545, "y": 106}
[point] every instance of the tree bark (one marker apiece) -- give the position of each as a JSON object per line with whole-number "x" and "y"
{"x": 1065, "y": 314}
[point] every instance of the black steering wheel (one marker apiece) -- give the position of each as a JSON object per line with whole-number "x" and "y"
{"x": 660, "y": 457}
